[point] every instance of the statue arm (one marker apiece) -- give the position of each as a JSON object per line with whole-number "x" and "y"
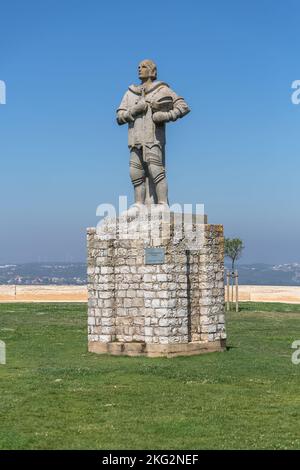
{"x": 126, "y": 113}
{"x": 124, "y": 116}
{"x": 180, "y": 109}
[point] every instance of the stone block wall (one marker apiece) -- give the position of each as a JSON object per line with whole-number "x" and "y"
{"x": 164, "y": 309}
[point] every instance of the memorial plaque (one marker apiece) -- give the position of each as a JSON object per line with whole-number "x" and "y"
{"x": 154, "y": 255}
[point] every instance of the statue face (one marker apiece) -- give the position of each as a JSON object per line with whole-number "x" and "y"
{"x": 145, "y": 70}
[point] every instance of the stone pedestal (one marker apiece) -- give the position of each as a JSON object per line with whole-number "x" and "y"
{"x": 168, "y": 309}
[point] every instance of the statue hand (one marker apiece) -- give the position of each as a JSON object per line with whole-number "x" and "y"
{"x": 139, "y": 108}
{"x": 155, "y": 106}
{"x": 160, "y": 117}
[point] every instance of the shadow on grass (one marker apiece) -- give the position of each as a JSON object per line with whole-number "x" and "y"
{"x": 228, "y": 348}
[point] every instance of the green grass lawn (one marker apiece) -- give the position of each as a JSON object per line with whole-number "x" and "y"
{"x": 56, "y": 395}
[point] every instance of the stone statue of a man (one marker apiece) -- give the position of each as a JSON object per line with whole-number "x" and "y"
{"x": 146, "y": 108}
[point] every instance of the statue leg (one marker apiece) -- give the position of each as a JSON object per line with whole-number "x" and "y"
{"x": 156, "y": 168}
{"x": 137, "y": 175}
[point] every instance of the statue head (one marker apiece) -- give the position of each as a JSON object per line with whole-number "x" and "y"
{"x": 147, "y": 70}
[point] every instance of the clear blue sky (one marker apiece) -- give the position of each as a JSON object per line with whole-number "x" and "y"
{"x": 67, "y": 63}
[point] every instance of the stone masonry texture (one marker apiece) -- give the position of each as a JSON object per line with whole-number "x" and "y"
{"x": 175, "y": 303}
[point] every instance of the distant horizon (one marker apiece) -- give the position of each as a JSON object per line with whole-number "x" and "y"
{"x": 238, "y": 263}
{"x": 75, "y": 273}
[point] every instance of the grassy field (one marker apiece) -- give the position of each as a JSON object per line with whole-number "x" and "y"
{"x": 55, "y": 395}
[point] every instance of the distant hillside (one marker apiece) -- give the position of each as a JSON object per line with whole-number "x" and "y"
{"x": 269, "y": 275}
{"x": 75, "y": 274}
{"x": 43, "y": 273}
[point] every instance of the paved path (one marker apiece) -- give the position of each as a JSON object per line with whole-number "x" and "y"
{"x": 43, "y": 293}
{"x": 288, "y": 294}
{"x": 79, "y": 294}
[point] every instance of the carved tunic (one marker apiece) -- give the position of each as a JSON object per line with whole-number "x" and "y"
{"x": 142, "y": 130}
